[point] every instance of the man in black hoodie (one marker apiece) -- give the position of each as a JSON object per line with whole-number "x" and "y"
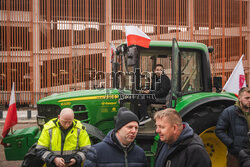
{"x": 180, "y": 145}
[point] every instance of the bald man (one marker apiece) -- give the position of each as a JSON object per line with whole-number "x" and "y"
{"x": 63, "y": 140}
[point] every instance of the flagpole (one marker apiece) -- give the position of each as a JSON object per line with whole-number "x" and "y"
{"x": 13, "y": 84}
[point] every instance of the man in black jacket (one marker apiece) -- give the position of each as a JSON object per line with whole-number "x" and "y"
{"x": 118, "y": 148}
{"x": 159, "y": 88}
{"x": 244, "y": 158}
{"x": 233, "y": 126}
{"x": 180, "y": 146}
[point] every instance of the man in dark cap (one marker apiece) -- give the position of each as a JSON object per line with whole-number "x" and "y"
{"x": 118, "y": 147}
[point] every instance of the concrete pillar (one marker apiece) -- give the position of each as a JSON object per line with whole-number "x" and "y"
{"x": 247, "y": 58}
{"x": 36, "y": 49}
{"x": 107, "y": 41}
{"x": 191, "y": 19}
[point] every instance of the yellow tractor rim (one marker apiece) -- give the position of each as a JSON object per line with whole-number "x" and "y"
{"x": 215, "y": 148}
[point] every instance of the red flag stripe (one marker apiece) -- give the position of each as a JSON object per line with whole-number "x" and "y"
{"x": 11, "y": 119}
{"x": 138, "y": 40}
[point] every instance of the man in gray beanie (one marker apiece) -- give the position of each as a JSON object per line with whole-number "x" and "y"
{"x": 118, "y": 147}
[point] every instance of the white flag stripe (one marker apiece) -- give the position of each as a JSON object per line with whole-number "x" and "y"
{"x": 234, "y": 83}
{"x": 112, "y": 46}
{"x": 133, "y": 30}
{"x": 12, "y": 95}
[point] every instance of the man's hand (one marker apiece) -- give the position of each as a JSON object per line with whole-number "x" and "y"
{"x": 72, "y": 162}
{"x": 146, "y": 91}
{"x": 58, "y": 161}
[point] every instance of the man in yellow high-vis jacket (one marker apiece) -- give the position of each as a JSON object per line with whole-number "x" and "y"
{"x": 63, "y": 141}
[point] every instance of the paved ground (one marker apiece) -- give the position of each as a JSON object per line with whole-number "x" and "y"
{"x": 23, "y": 122}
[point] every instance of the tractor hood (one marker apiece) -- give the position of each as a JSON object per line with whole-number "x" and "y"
{"x": 80, "y": 96}
{"x": 89, "y": 106}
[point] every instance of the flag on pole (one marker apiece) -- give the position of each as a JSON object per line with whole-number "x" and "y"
{"x": 237, "y": 79}
{"x": 11, "y": 118}
{"x": 136, "y": 36}
{"x": 113, "y": 50}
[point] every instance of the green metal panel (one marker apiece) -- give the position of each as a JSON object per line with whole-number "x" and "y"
{"x": 191, "y": 98}
{"x": 188, "y": 45}
{"x": 19, "y": 143}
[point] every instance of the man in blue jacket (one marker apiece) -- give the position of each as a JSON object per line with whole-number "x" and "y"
{"x": 118, "y": 148}
{"x": 180, "y": 146}
{"x": 233, "y": 126}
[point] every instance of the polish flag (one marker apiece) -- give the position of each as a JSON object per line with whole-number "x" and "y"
{"x": 113, "y": 50}
{"x": 135, "y": 36}
{"x": 11, "y": 118}
{"x": 237, "y": 79}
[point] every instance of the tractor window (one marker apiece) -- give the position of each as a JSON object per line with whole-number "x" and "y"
{"x": 146, "y": 71}
{"x": 191, "y": 78}
{"x": 125, "y": 77}
{"x": 148, "y": 61}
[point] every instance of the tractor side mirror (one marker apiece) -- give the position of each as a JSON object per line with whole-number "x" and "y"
{"x": 217, "y": 82}
{"x": 132, "y": 55}
{"x": 210, "y": 49}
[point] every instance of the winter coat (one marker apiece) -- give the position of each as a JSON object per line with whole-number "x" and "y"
{"x": 187, "y": 151}
{"x": 110, "y": 153}
{"x": 160, "y": 86}
{"x": 54, "y": 143}
{"x": 232, "y": 129}
{"x": 244, "y": 158}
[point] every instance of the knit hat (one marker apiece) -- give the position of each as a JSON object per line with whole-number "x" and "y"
{"x": 124, "y": 116}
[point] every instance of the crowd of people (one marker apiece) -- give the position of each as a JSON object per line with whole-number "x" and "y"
{"x": 65, "y": 142}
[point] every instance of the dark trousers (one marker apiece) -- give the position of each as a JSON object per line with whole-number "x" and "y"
{"x": 144, "y": 102}
{"x": 232, "y": 161}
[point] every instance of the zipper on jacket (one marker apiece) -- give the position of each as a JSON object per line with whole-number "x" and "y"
{"x": 125, "y": 156}
{"x": 62, "y": 141}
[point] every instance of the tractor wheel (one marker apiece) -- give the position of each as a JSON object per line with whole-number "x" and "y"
{"x": 94, "y": 133}
{"x": 203, "y": 120}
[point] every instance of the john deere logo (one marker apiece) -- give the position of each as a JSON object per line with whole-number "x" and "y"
{"x": 113, "y": 109}
{"x": 109, "y": 103}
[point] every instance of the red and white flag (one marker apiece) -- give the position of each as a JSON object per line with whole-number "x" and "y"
{"x": 11, "y": 118}
{"x": 136, "y": 36}
{"x": 113, "y": 50}
{"x": 237, "y": 79}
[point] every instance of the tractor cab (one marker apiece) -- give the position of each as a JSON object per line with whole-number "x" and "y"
{"x": 186, "y": 67}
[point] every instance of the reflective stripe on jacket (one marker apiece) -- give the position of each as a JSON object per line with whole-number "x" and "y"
{"x": 51, "y": 139}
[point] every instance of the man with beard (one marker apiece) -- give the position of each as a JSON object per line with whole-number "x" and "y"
{"x": 233, "y": 126}
{"x": 118, "y": 148}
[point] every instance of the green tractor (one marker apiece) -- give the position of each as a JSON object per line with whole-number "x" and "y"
{"x": 185, "y": 63}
